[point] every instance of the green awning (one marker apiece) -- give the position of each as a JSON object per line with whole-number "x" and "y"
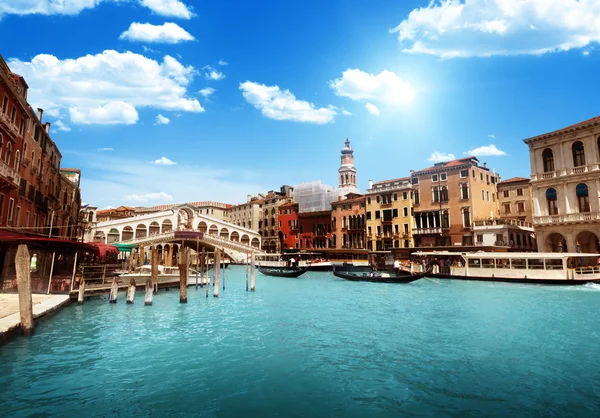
{"x": 125, "y": 248}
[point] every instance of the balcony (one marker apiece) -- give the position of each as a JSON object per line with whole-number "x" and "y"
{"x": 502, "y": 222}
{"x": 566, "y": 172}
{"x": 25, "y": 162}
{"x": 10, "y": 174}
{"x": 566, "y": 219}
{"x": 427, "y": 231}
{"x": 5, "y": 119}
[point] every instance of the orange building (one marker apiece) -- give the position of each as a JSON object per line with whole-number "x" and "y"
{"x": 348, "y": 222}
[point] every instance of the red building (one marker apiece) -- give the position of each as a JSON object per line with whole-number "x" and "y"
{"x": 315, "y": 230}
{"x": 288, "y": 226}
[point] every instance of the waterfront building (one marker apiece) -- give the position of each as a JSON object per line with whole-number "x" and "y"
{"x": 33, "y": 193}
{"x": 88, "y": 221}
{"x": 448, "y": 197}
{"x": 515, "y": 200}
{"x": 247, "y": 215}
{"x": 270, "y": 224}
{"x": 504, "y": 235}
{"x": 565, "y": 179}
{"x": 289, "y": 232}
{"x": 111, "y": 214}
{"x": 389, "y": 216}
{"x": 314, "y": 230}
{"x": 348, "y": 222}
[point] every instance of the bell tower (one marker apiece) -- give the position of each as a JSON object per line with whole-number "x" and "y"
{"x": 347, "y": 171}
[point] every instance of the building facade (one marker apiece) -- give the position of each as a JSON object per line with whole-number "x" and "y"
{"x": 389, "y": 215}
{"x": 315, "y": 230}
{"x": 565, "y": 179}
{"x": 113, "y": 214}
{"x": 34, "y": 195}
{"x": 348, "y": 222}
{"x": 448, "y": 197}
{"x": 289, "y": 229}
{"x": 514, "y": 199}
{"x": 270, "y": 224}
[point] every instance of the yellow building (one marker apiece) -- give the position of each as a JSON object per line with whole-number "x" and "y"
{"x": 389, "y": 216}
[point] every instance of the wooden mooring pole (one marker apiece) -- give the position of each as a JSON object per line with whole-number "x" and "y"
{"x": 183, "y": 274}
{"x": 224, "y": 269}
{"x": 51, "y": 272}
{"x": 149, "y": 292}
{"x": 81, "y": 294}
{"x": 22, "y": 266}
{"x": 154, "y": 271}
{"x": 202, "y": 266}
{"x": 197, "y": 259}
{"x": 131, "y": 291}
{"x": 252, "y": 273}
{"x": 207, "y": 276}
{"x": 114, "y": 291}
{"x": 216, "y": 269}
{"x": 74, "y": 270}
{"x": 247, "y": 263}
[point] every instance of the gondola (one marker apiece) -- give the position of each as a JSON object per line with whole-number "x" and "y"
{"x": 282, "y": 271}
{"x": 379, "y": 276}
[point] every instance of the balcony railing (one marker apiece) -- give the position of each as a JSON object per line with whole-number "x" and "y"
{"x": 8, "y": 123}
{"x": 566, "y": 172}
{"x": 568, "y": 218}
{"x": 425, "y": 231}
{"x": 10, "y": 173}
{"x": 499, "y": 222}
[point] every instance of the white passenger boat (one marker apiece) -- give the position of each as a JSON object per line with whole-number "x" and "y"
{"x": 540, "y": 268}
{"x": 165, "y": 275}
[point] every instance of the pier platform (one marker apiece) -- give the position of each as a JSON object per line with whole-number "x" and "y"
{"x": 10, "y": 319}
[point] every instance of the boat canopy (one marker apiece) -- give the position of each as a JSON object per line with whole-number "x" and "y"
{"x": 125, "y": 248}
{"x": 482, "y": 254}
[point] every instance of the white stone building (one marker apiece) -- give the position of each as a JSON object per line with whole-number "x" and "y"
{"x": 565, "y": 179}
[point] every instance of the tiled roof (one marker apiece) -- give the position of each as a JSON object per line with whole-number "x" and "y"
{"x": 289, "y": 205}
{"x": 392, "y": 180}
{"x": 449, "y": 164}
{"x": 589, "y": 122}
{"x": 514, "y": 180}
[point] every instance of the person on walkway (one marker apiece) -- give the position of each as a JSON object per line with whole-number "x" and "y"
{"x": 396, "y": 266}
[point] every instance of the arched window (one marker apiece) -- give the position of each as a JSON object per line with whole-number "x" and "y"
{"x": 444, "y": 194}
{"x": 583, "y": 197}
{"x": 17, "y": 160}
{"x": 0, "y": 145}
{"x": 344, "y": 222}
{"x": 8, "y": 153}
{"x": 548, "y": 157}
{"x": 578, "y": 154}
{"x": 552, "y": 203}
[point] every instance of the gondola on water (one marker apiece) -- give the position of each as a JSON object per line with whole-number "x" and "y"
{"x": 282, "y": 271}
{"x": 379, "y": 276}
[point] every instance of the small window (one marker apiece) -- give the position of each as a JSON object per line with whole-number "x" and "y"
{"x": 506, "y": 193}
{"x": 554, "y": 264}
{"x": 395, "y": 212}
{"x": 434, "y": 177}
{"x": 368, "y": 200}
{"x": 535, "y": 264}
{"x": 377, "y": 199}
{"x": 481, "y": 176}
{"x": 405, "y": 212}
{"x": 377, "y": 214}
{"x": 502, "y": 263}
{"x": 404, "y": 195}
{"x": 395, "y": 197}
{"x": 443, "y": 176}
{"x": 474, "y": 262}
{"x": 519, "y": 192}
{"x": 414, "y": 180}
{"x": 464, "y": 173}
{"x": 488, "y": 263}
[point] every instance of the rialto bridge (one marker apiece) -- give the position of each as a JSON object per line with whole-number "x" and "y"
{"x": 160, "y": 227}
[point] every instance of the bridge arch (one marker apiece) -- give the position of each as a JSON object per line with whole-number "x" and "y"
{"x": 202, "y": 226}
{"x": 185, "y": 216}
{"x": 245, "y": 239}
{"x": 154, "y": 228}
{"x": 127, "y": 233}
{"x": 224, "y": 233}
{"x": 141, "y": 231}
{"x": 100, "y": 237}
{"x": 235, "y": 236}
{"x": 113, "y": 236}
{"x": 167, "y": 225}
{"x": 255, "y": 242}
{"x": 213, "y": 230}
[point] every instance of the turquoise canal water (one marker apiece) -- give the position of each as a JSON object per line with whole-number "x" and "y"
{"x": 315, "y": 346}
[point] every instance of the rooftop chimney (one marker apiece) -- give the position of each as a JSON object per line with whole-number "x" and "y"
{"x": 40, "y": 113}
{"x": 370, "y": 184}
{"x": 47, "y": 127}
{"x": 484, "y": 165}
{"x": 249, "y": 196}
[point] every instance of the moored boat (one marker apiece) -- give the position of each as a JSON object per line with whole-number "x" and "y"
{"x": 536, "y": 268}
{"x": 282, "y": 271}
{"x": 379, "y": 276}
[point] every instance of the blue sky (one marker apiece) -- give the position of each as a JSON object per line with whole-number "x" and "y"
{"x": 161, "y": 101}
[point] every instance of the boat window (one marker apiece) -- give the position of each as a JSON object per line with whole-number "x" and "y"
{"x": 518, "y": 263}
{"x": 474, "y": 262}
{"x": 535, "y": 263}
{"x": 502, "y": 263}
{"x": 554, "y": 264}
{"x": 487, "y": 263}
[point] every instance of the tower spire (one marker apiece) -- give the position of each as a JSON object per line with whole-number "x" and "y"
{"x": 347, "y": 171}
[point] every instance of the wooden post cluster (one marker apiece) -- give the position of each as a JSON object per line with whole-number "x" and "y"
{"x": 216, "y": 269}
{"x": 22, "y": 265}
{"x": 183, "y": 274}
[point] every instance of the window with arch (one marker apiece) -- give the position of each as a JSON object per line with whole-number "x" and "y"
{"x": 583, "y": 197}
{"x": 17, "y": 160}
{"x": 8, "y": 153}
{"x": 578, "y": 154}
{"x": 344, "y": 222}
{"x": 551, "y": 198}
{"x": 1, "y": 143}
{"x": 444, "y": 194}
{"x": 548, "y": 159}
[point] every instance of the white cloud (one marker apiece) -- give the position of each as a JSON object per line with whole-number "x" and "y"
{"x": 372, "y": 109}
{"x": 46, "y": 7}
{"x": 346, "y": 113}
{"x": 162, "y": 196}
{"x": 438, "y": 157}
{"x": 104, "y": 149}
{"x": 162, "y": 120}
{"x": 162, "y": 161}
{"x": 111, "y": 113}
{"x": 221, "y": 62}
{"x": 283, "y": 105}
{"x": 385, "y": 87}
{"x": 168, "y": 33}
{"x": 109, "y": 81}
{"x": 171, "y": 8}
{"x": 214, "y": 75}
{"x": 486, "y": 151}
{"x": 492, "y": 136}
{"x": 61, "y": 126}
{"x": 453, "y": 28}
{"x": 207, "y": 91}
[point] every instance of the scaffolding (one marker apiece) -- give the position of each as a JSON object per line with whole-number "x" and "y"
{"x": 314, "y": 196}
